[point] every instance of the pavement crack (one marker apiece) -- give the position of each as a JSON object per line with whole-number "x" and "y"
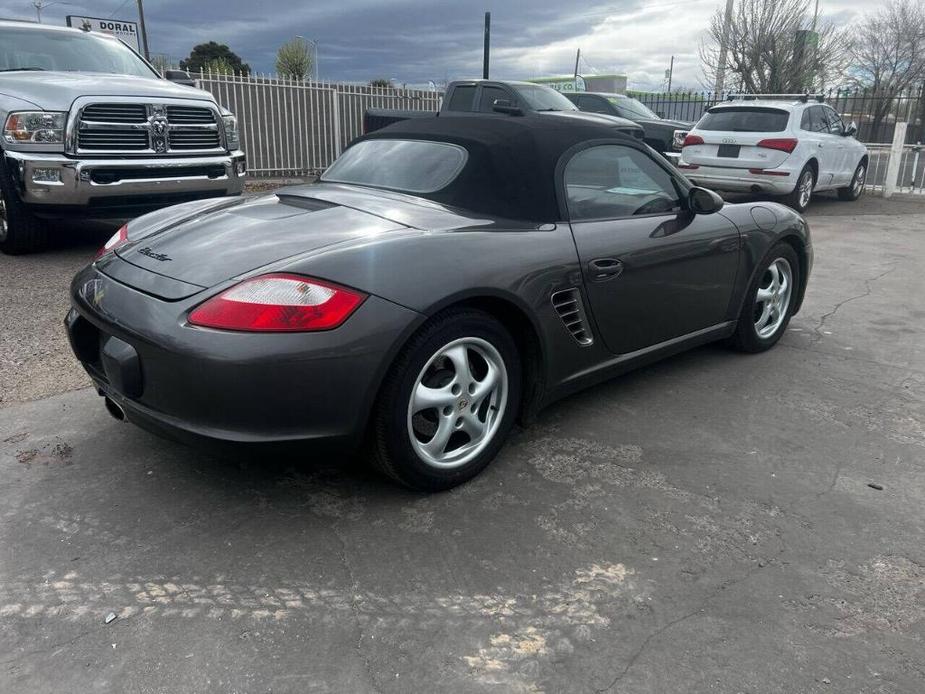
{"x": 355, "y": 606}
{"x": 868, "y": 289}
{"x": 49, "y": 649}
{"x": 701, "y": 609}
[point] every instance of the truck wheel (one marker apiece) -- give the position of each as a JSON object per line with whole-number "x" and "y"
{"x": 20, "y": 230}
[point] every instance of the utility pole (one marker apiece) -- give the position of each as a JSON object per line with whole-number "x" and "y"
{"x": 577, "y": 58}
{"x": 486, "y": 47}
{"x": 670, "y": 73}
{"x": 723, "y": 47}
{"x": 144, "y": 32}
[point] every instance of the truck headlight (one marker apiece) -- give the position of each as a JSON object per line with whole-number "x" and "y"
{"x": 231, "y": 131}
{"x": 38, "y": 127}
{"x": 677, "y": 140}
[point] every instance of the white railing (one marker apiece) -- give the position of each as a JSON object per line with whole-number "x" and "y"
{"x": 297, "y": 128}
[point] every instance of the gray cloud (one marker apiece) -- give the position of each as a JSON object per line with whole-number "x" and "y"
{"x": 416, "y": 41}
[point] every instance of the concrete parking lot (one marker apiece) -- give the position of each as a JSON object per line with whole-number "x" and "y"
{"x": 714, "y": 523}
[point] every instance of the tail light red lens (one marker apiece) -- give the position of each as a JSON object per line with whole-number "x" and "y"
{"x": 692, "y": 140}
{"x": 278, "y": 303}
{"x": 114, "y": 241}
{"x": 784, "y": 144}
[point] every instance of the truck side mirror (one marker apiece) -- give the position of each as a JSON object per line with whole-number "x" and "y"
{"x": 505, "y": 106}
{"x": 180, "y": 77}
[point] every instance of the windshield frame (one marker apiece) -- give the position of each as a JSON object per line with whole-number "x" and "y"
{"x": 103, "y": 41}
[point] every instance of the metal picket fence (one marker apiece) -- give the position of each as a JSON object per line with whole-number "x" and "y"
{"x": 297, "y": 128}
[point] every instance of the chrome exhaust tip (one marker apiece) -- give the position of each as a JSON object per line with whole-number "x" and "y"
{"x": 115, "y": 410}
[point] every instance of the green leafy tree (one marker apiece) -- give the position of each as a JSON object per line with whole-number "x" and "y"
{"x": 214, "y": 55}
{"x": 380, "y": 82}
{"x": 294, "y": 59}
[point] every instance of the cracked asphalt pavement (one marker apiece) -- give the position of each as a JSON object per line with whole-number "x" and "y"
{"x": 706, "y": 524}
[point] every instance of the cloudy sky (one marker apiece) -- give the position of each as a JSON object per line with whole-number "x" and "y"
{"x": 419, "y": 40}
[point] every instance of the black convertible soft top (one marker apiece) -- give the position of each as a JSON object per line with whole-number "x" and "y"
{"x": 511, "y": 168}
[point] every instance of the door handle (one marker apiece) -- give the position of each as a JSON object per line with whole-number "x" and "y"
{"x": 602, "y": 269}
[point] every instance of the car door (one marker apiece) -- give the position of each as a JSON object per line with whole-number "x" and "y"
{"x": 652, "y": 270}
{"x": 816, "y": 129}
{"x": 842, "y": 168}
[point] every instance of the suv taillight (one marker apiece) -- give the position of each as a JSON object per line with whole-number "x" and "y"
{"x": 784, "y": 144}
{"x": 692, "y": 140}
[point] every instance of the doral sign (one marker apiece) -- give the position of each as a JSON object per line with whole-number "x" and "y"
{"x": 121, "y": 29}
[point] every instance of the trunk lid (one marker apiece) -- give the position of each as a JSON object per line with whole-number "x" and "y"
{"x": 207, "y": 249}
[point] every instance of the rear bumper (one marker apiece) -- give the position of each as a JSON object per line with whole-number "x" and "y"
{"x": 199, "y": 384}
{"x": 54, "y": 181}
{"x": 739, "y": 180}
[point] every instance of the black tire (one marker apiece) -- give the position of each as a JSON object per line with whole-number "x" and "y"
{"x": 795, "y": 199}
{"x": 856, "y": 188}
{"x": 746, "y": 337}
{"x": 20, "y": 230}
{"x": 393, "y": 451}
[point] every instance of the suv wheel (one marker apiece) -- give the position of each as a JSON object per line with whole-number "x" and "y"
{"x": 20, "y": 230}
{"x": 854, "y": 190}
{"x": 803, "y": 192}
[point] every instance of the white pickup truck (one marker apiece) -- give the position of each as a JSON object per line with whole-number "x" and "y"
{"x": 91, "y": 129}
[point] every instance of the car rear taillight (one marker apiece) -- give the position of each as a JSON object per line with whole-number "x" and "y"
{"x": 278, "y": 303}
{"x": 692, "y": 140}
{"x": 114, "y": 241}
{"x": 784, "y": 144}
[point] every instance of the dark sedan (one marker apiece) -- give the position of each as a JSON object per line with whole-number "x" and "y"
{"x": 443, "y": 279}
{"x": 660, "y": 133}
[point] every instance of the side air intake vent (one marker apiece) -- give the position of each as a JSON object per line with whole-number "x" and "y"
{"x": 571, "y": 310}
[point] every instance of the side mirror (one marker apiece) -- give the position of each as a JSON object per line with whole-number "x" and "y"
{"x": 180, "y": 77}
{"x": 505, "y": 106}
{"x": 851, "y": 129}
{"x": 703, "y": 201}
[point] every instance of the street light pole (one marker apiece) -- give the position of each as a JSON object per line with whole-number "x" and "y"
{"x": 486, "y": 46}
{"x": 144, "y": 31}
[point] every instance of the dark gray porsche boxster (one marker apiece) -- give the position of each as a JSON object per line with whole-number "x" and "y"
{"x": 443, "y": 278}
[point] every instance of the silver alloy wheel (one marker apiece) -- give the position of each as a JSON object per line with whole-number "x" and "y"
{"x": 457, "y": 403}
{"x": 806, "y": 188}
{"x": 772, "y": 300}
{"x": 3, "y": 223}
{"x": 859, "y": 177}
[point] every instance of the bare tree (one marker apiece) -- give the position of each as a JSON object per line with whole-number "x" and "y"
{"x": 294, "y": 59}
{"x": 771, "y": 48}
{"x": 888, "y": 55}
{"x": 888, "y": 52}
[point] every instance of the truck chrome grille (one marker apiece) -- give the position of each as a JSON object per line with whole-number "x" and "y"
{"x": 116, "y": 113}
{"x": 189, "y": 114}
{"x": 571, "y": 310}
{"x": 146, "y": 128}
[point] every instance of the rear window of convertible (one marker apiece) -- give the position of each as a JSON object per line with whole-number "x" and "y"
{"x": 745, "y": 120}
{"x": 409, "y": 166}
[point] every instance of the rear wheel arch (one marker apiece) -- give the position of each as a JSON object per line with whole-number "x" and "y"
{"x": 512, "y": 316}
{"x": 799, "y": 247}
{"x": 813, "y": 163}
